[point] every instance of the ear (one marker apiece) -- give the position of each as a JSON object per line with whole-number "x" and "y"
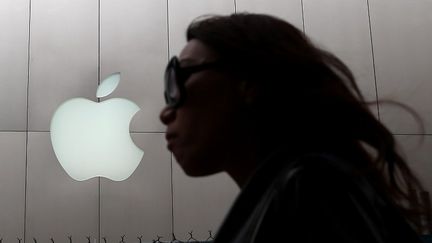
{"x": 248, "y": 92}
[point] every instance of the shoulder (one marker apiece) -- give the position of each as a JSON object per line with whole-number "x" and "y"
{"x": 325, "y": 180}
{"x": 316, "y": 198}
{"x": 318, "y": 170}
{"x": 326, "y": 198}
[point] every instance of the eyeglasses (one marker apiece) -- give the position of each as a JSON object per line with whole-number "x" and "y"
{"x": 175, "y": 78}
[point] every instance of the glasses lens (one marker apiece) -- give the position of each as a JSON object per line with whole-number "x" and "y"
{"x": 172, "y": 93}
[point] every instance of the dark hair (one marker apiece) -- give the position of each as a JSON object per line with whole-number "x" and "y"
{"x": 316, "y": 89}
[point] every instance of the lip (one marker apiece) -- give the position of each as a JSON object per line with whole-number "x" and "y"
{"x": 170, "y": 145}
{"x": 170, "y": 137}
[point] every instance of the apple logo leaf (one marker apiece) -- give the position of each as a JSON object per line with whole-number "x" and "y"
{"x": 108, "y": 85}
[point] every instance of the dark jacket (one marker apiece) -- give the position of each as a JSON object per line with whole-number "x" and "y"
{"x": 315, "y": 198}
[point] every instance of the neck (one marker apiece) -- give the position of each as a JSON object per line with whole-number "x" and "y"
{"x": 245, "y": 164}
{"x": 241, "y": 172}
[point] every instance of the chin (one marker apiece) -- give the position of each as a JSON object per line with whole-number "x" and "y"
{"x": 196, "y": 167}
{"x": 197, "y": 161}
{"x": 198, "y": 172}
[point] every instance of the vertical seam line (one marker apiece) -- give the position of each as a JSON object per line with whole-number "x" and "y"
{"x": 27, "y": 120}
{"x": 171, "y": 162}
{"x": 303, "y": 17}
{"x": 98, "y": 100}
{"x": 373, "y": 60}
{"x": 99, "y": 43}
{"x": 99, "y": 47}
{"x": 168, "y": 29}
{"x": 172, "y": 196}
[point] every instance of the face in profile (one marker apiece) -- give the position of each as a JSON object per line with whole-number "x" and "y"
{"x": 202, "y": 131}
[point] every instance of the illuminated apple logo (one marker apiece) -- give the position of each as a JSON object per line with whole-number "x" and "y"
{"x": 92, "y": 139}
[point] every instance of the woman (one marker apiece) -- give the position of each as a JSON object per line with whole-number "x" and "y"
{"x": 251, "y": 96}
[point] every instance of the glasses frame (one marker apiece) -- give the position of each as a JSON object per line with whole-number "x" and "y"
{"x": 181, "y": 75}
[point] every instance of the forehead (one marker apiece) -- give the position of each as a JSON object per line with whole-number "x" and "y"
{"x": 196, "y": 51}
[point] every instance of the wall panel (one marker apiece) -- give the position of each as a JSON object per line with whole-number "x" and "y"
{"x": 342, "y": 27}
{"x": 14, "y": 24}
{"x": 134, "y": 41}
{"x": 12, "y": 185}
{"x": 289, "y": 10}
{"x": 64, "y": 54}
{"x": 200, "y": 204}
{"x": 141, "y": 204}
{"x": 182, "y": 12}
{"x": 402, "y": 37}
{"x": 418, "y": 152}
{"x": 57, "y": 205}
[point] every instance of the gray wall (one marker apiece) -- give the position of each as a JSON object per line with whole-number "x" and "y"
{"x": 53, "y": 50}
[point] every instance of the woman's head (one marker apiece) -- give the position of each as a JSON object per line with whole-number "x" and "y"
{"x": 281, "y": 88}
{"x": 300, "y": 89}
{"x": 271, "y": 86}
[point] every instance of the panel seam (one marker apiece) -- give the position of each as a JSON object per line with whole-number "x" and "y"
{"x": 27, "y": 120}
{"x": 373, "y": 60}
{"x": 303, "y": 16}
{"x": 98, "y": 100}
{"x": 171, "y": 161}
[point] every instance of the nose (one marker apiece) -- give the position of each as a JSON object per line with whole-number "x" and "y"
{"x": 167, "y": 115}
